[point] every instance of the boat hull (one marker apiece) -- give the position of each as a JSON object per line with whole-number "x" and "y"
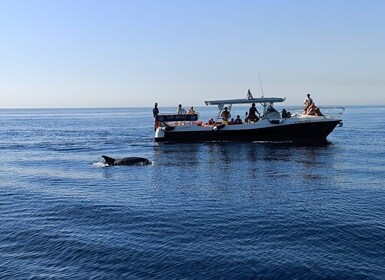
{"x": 309, "y": 131}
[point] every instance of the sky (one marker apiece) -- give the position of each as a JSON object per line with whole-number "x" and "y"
{"x": 123, "y": 53}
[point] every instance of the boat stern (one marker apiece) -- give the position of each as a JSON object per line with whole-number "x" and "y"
{"x": 159, "y": 134}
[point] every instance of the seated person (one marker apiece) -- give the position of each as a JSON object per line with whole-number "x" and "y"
{"x": 211, "y": 121}
{"x": 271, "y": 109}
{"x": 271, "y": 113}
{"x": 249, "y": 95}
{"x": 313, "y": 110}
{"x": 310, "y": 110}
{"x": 285, "y": 114}
{"x": 318, "y": 112}
{"x": 253, "y": 113}
{"x": 191, "y": 110}
{"x": 238, "y": 120}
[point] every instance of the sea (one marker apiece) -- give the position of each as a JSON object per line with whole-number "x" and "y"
{"x": 199, "y": 211}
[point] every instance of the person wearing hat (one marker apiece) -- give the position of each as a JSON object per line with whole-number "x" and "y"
{"x": 225, "y": 116}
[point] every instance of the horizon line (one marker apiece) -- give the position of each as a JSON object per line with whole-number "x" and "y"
{"x": 203, "y": 106}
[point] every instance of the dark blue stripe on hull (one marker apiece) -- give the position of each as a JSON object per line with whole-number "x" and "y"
{"x": 316, "y": 131}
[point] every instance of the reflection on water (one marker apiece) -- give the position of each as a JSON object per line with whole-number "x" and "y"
{"x": 250, "y": 163}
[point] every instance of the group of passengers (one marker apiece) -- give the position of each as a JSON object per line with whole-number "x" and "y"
{"x": 251, "y": 116}
{"x": 225, "y": 120}
{"x": 179, "y": 111}
{"x": 182, "y": 111}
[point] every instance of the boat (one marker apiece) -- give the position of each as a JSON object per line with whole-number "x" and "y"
{"x": 271, "y": 126}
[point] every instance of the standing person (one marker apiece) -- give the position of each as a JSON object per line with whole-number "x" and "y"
{"x": 181, "y": 110}
{"x": 155, "y": 112}
{"x": 308, "y": 101}
{"x": 225, "y": 116}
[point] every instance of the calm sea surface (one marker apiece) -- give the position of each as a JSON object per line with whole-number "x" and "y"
{"x": 200, "y": 211}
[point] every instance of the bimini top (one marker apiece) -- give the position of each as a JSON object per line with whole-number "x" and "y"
{"x": 246, "y": 101}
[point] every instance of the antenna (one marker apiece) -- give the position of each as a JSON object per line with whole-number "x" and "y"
{"x": 263, "y": 104}
{"x": 260, "y": 82}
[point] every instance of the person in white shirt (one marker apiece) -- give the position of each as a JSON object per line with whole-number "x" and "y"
{"x": 181, "y": 110}
{"x": 308, "y": 101}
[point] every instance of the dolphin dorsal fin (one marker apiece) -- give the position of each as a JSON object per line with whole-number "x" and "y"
{"x": 109, "y": 160}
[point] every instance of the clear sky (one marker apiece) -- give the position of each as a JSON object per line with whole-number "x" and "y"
{"x": 92, "y": 53}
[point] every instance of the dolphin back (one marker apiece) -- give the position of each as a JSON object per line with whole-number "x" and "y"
{"x": 109, "y": 160}
{"x": 126, "y": 161}
{"x": 132, "y": 161}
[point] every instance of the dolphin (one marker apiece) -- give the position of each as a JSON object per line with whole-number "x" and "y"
{"x": 126, "y": 161}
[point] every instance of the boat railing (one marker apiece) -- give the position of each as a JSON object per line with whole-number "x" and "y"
{"x": 327, "y": 111}
{"x": 335, "y": 112}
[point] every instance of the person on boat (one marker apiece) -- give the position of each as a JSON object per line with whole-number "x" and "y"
{"x": 238, "y": 120}
{"x": 307, "y": 102}
{"x": 181, "y": 110}
{"x": 253, "y": 113}
{"x": 155, "y": 111}
{"x": 249, "y": 95}
{"x": 310, "y": 107}
{"x": 271, "y": 109}
{"x": 285, "y": 114}
{"x": 211, "y": 121}
{"x": 191, "y": 110}
{"x": 225, "y": 116}
{"x": 313, "y": 110}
